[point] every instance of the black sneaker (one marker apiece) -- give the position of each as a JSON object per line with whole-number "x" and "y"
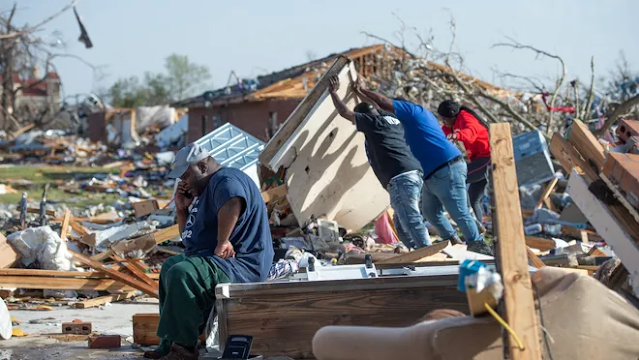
{"x": 480, "y": 247}
{"x": 455, "y": 240}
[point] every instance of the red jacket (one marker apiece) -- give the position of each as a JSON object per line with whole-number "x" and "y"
{"x": 471, "y": 133}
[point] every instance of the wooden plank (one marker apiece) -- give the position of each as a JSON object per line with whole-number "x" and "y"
{"x": 416, "y": 254}
{"x": 549, "y": 189}
{"x": 53, "y": 273}
{"x": 300, "y": 113}
{"x": 64, "y": 231}
{"x": 512, "y": 260}
{"x": 569, "y": 157}
{"x": 607, "y": 225}
{"x": 99, "y": 301}
{"x": 536, "y": 262}
{"x": 584, "y": 236}
{"x": 540, "y": 243}
{"x": 274, "y": 193}
{"x": 576, "y": 233}
{"x": 37, "y": 211}
{"x": 145, "y": 327}
{"x": 146, "y": 288}
{"x": 619, "y": 196}
{"x": 596, "y": 252}
{"x": 81, "y": 230}
{"x": 283, "y": 324}
{"x": 8, "y": 254}
{"x": 587, "y": 144}
{"x": 135, "y": 269}
{"x": 55, "y": 283}
{"x": 166, "y": 234}
{"x": 143, "y": 208}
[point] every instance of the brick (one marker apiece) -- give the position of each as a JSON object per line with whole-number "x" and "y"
{"x": 623, "y": 171}
{"x": 78, "y": 328}
{"x": 627, "y": 129}
{"x": 104, "y": 342}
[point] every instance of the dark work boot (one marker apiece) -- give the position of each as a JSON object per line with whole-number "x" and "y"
{"x": 480, "y": 247}
{"x": 179, "y": 352}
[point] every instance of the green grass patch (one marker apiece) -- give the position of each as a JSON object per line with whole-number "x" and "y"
{"x": 50, "y": 174}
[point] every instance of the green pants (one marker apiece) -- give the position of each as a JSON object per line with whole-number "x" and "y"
{"x": 187, "y": 296}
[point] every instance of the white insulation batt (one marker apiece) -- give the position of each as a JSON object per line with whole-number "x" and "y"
{"x": 328, "y": 174}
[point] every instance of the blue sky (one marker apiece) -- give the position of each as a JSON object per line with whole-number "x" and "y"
{"x": 255, "y": 37}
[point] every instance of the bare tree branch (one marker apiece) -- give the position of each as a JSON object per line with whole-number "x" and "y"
{"x": 625, "y": 107}
{"x": 34, "y": 28}
{"x": 516, "y": 45}
{"x": 591, "y": 91}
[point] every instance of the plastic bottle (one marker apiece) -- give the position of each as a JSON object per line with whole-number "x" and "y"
{"x": 533, "y": 229}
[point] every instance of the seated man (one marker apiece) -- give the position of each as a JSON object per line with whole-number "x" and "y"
{"x": 227, "y": 239}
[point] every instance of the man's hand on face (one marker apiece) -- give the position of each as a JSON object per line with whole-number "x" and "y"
{"x": 225, "y": 250}
{"x": 183, "y": 198}
{"x": 333, "y": 84}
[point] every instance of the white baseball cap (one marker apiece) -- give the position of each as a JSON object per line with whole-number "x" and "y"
{"x": 187, "y": 156}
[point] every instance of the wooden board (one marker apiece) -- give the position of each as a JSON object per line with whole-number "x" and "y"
{"x": 299, "y": 114}
{"x": 274, "y": 193}
{"x": 146, "y": 288}
{"x": 416, "y": 255}
{"x": 145, "y": 328}
{"x": 549, "y": 189}
{"x": 536, "y": 262}
{"x": 99, "y": 301}
{"x": 587, "y": 144}
{"x": 8, "y": 254}
{"x": 540, "y": 243}
{"x": 607, "y": 225}
{"x": 284, "y": 317}
{"x": 134, "y": 267}
{"x": 512, "y": 250}
{"x": 64, "y": 230}
{"x": 143, "y": 208}
{"x": 569, "y": 157}
{"x": 56, "y": 283}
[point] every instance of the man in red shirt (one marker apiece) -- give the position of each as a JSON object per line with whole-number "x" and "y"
{"x": 463, "y": 125}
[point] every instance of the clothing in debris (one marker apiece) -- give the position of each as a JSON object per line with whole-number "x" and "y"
{"x": 425, "y": 137}
{"x": 187, "y": 296}
{"x": 398, "y": 171}
{"x": 251, "y": 237}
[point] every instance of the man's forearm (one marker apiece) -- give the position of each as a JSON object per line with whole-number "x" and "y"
{"x": 227, "y": 217}
{"x": 182, "y": 215}
{"x": 341, "y": 108}
{"x": 365, "y": 98}
{"x": 381, "y": 100}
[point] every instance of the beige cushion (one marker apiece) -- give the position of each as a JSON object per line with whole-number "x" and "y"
{"x": 583, "y": 317}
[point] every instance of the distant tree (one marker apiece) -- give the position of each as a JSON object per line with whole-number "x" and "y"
{"x": 183, "y": 77}
{"x": 622, "y": 82}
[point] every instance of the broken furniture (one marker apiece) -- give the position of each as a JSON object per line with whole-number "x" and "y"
{"x": 327, "y": 171}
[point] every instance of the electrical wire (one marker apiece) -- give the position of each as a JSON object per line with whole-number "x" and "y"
{"x": 505, "y": 325}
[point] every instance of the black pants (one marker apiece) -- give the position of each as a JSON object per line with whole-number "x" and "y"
{"x": 478, "y": 180}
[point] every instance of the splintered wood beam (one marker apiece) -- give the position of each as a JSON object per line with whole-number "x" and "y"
{"x": 274, "y": 193}
{"x": 540, "y": 243}
{"x": 569, "y": 157}
{"x": 136, "y": 270}
{"x": 549, "y": 189}
{"x": 103, "y": 300}
{"x": 587, "y": 144}
{"x": 64, "y": 231}
{"x": 416, "y": 255}
{"x": 57, "y": 283}
{"x": 512, "y": 250}
{"x": 534, "y": 259}
{"x": 129, "y": 280}
{"x": 81, "y": 230}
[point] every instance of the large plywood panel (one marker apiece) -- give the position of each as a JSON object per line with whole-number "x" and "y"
{"x": 328, "y": 174}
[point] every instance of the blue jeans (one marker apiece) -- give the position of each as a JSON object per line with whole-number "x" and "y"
{"x": 446, "y": 188}
{"x": 404, "y": 190}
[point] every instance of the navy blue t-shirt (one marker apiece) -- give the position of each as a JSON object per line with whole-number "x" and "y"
{"x": 425, "y": 137}
{"x": 251, "y": 237}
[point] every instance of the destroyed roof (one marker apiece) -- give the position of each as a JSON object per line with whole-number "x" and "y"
{"x": 297, "y": 81}
{"x": 232, "y": 147}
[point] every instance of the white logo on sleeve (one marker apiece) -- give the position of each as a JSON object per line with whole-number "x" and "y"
{"x": 391, "y": 120}
{"x": 190, "y": 221}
